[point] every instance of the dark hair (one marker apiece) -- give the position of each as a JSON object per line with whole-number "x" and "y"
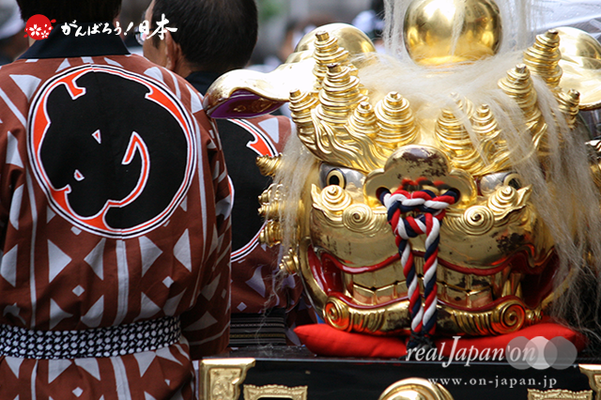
{"x": 214, "y": 35}
{"x": 70, "y": 10}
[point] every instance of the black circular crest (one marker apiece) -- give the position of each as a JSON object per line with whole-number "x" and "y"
{"x": 113, "y": 150}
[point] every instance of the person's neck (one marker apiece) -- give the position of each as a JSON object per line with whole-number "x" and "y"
{"x": 183, "y": 70}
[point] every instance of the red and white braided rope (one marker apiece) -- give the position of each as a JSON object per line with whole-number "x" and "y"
{"x": 422, "y": 315}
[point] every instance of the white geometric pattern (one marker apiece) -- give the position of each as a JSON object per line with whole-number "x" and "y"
{"x": 150, "y": 252}
{"x": 95, "y": 259}
{"x": 165, "y": 353}
{"x": 123, "y": 279}
{"x": 27, "y": 83}
{"x": 57, "y": 367}
{"x": 203, "y": 323}
{"x": 211, "y": 145}
{"x": 90, "y": 365}
{"x": 214, "y": 241}
{"x": 148, "y": 307}
{"x": 14, "y": 364}
{"x": 195, "y": 101}
{"x": 57, "y": 314}
{"x": 155, "y": 73}
{"x": 216, "y": 170}
{"x": 8, "y": 267}
{"x": 256, "y": 282}
{"x": 15, "y": 206}
{"x": 57, "y": 260}
{"x": 112, "y": 62}
{"x": 209, "y": 290}
{"x": 12, "y": 151}
{"x": 272, "y": 127}
{"x": 224, "y": 207}
{"x": 94, "y": 315}
{"x": 175, "y": 84}
{"x": 182, "y": 352}
{"x": 78, "y": 290}
{"x": 168, "y": 281}
{"x": 144, "y": 360}
{"x": 64, "y": 64}
{"x": 172, "y": 303}
{"x": 14, "y": 110}
{"x": 182, "y": 251}
{"x": 121, "y": 378}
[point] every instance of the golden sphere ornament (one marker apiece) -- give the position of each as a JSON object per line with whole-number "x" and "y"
{"x": 440, "y": 32}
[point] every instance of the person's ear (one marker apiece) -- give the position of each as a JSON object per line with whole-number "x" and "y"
{"x": 173, "y": 53}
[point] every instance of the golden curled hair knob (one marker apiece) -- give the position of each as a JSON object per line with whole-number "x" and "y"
{"x": 396, "y": 120}
{"x": 268, "y": 165}
{"x": 270, "y": 211}
{"x": 289, "y": 262}
{"x": 518, "y": 85}
{"x": 569, "y": 104}
{"x": 363, "y": 121}
{"x": 327, "y": 52}
{"x": 339, "y": 95}
{"x": 271, "y": 194}
{"x": 543, "y": 57}
{"x": 271, "y": 234}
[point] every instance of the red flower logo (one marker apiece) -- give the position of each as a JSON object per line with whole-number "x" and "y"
{"x": 38, "y": 27}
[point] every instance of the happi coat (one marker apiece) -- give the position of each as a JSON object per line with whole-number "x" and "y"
{"x": 115, "y": 229}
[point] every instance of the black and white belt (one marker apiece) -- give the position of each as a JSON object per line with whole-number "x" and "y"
{"x": 109, "y": 341}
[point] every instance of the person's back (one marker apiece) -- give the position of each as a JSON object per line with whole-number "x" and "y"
{"x": 114, "y": 208}
{"x": 213, "y": 37}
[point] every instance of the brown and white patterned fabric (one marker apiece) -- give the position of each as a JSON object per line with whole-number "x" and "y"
{"x": 115, "y": 226}
{"x": 264, "y": 307}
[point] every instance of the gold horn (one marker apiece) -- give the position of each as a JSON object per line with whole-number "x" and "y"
{"x": 396, "y": 120}
{"x": 543, "y": 58}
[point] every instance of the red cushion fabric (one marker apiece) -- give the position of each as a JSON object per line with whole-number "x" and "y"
{"x": 325, "y": 340}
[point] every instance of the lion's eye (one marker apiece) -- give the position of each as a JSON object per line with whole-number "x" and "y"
{"x": 335, "y": 177}
{"x": 490, "y": 183}
{"x": 346, "y": 178}
{"x": 513, "y": 181}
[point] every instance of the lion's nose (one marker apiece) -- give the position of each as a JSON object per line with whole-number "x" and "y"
{"x": 419, "y": 167}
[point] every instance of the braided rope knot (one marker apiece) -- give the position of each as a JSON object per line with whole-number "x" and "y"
{"x": 431, "y": 209}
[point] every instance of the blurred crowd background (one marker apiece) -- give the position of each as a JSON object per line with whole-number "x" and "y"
{"x": 282, "y": 22}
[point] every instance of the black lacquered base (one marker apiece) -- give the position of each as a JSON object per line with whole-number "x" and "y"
{"x": 346, "y": 378}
